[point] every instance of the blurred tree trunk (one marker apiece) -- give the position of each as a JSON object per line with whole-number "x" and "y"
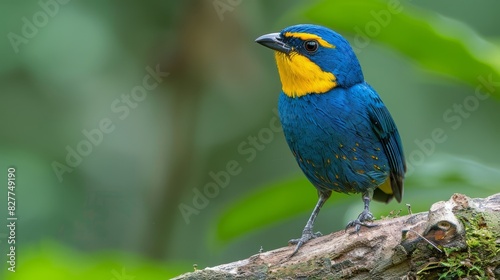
{"x": 458, "y": 238}
{"x": 191, "y": 65}
{"x": 186, "y": 83}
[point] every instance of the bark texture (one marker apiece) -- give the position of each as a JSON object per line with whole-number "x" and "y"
{"x": 458, "y": 238}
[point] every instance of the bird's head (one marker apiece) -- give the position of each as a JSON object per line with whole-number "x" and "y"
{"x": 312, "y": 59}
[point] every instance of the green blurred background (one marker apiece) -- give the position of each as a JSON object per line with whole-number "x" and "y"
{"x": 116, "y": 214}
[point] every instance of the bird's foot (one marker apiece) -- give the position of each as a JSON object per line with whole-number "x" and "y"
{"x": 365, "y": 216}
{"x": 306, "y": 236}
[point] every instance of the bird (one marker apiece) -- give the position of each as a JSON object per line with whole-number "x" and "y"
{"x": 338, "y": 129}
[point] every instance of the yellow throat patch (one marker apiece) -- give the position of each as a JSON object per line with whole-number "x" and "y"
{"x": 300, "y": 76}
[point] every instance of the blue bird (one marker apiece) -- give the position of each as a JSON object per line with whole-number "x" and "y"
{"x": 337, "y": 127}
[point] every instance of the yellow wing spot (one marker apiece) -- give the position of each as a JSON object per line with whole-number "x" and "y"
{"x": 336, "y": 176}
{"x": 353, "y": 149}
{"x": 313, "y": 165}
{"x": 357, "y": 144}
{"x": 354, "y": 158}
{"x": 378, "y": 149}
{"x": 361, "y": 171}
{"x": 337, "y": 156}
{"x": 328, "y": 161}
{"x": 308, "y": 36}
{"x": 336, "y": 184}
{"x": 340, "y": 145}
{"x": 376, "y": 167}
{"x": 300, "y": 158}
{"x": 373, "y": 180}
{"x": 386, "y": 186}
{"x": 308, "y": 162}
{"x": 375, "y": 157}
{"x": 344, "y": 157}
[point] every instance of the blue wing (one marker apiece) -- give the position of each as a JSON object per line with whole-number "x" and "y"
{"x": 388, "y": 135}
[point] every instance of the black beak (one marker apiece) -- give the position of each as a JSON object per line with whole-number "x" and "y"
{"x": 274, "y": 41}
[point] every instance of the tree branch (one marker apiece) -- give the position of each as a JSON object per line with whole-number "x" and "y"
{"x": 455, "y": 238}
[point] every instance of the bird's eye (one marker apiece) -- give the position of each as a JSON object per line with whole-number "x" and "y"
{"x": 311, "y": 45}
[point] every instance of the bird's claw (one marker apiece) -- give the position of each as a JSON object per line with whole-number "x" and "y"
{"x": 365, "y": 216}
{"x": 306, "y": 236}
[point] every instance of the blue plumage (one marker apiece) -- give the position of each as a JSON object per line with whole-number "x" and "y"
{"x": 337, "y": 127}
{"x": 334, "y": 139}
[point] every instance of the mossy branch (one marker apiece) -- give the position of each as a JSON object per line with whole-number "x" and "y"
{"x": 459, "y": 238}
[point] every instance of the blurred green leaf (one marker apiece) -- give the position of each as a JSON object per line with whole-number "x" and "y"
{"x": 267, "y": 205}
{"x": 441, "y": 175}
{"x": 51, "y": 260}
{"x": 437, "y": 43}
